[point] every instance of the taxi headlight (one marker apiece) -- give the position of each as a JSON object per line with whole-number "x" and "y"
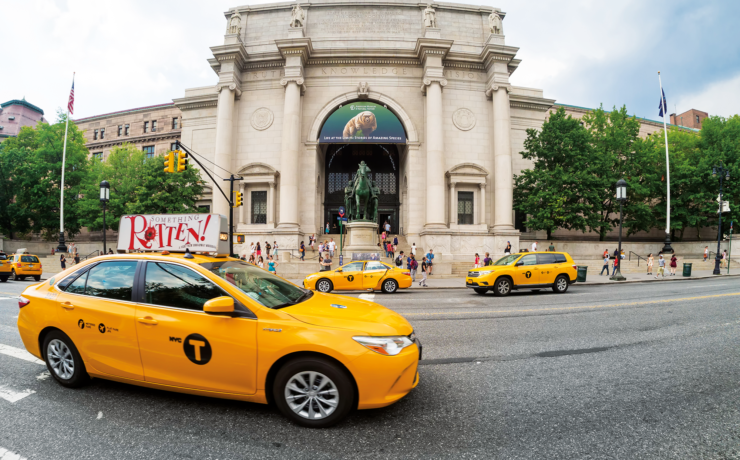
{"x": 485, "y": 272}
{"x": 388, "y": 346}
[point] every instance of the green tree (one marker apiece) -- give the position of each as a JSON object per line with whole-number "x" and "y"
{"x": 560, "y": 190}
{"x": 13, "y": 218}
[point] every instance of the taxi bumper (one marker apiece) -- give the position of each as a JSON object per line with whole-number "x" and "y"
{"x": 478, "y": 282}
{"x": 404, "y": 282}
{"x": 383, "y": 380}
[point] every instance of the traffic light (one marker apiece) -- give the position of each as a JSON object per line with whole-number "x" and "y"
{"x": 169, "y": 162}
{"x": 182, "y": 161}
{"x": 238, "y": 199}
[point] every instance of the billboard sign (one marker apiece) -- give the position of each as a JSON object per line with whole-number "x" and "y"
{"x": 174, "y": 233}
{"x": 363, "y": 122}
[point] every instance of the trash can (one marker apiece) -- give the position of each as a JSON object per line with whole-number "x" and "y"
{"x": 582, "y": 271}
{"x": 686, "y": 269}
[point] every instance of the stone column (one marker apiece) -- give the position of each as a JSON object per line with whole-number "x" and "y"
{"x": 224, "y": 141}
{"x": 289, "y": 153}
{"x": 271, "y": 205}
{"x": 435, "y": 161}
{"x": 503, "y": 176}
{"x": 482, "y": 207}
{"x": 453, "y": 204}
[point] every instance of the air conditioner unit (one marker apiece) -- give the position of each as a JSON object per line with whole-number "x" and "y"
{"x": 11, "y": 118}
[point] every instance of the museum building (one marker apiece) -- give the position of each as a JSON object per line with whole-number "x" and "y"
{"x": 420, "y": 93}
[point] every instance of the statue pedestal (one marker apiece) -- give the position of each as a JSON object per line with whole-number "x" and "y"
{"x": 361, "y": 237}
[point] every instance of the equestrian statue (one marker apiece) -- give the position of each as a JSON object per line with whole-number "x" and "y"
{"x": 361, "y": 196}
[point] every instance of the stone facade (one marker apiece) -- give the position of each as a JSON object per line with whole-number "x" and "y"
{"x": 16, "y": 114}
{"x": 443, "y": 73}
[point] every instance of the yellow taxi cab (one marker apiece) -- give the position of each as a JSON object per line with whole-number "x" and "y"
{"x": 23, "y": 265}
{"x": 539, "y": 270}
{"x": 360, "y": 275}
{"x": 5, "y": 267}
{"x": 217, "y": 326}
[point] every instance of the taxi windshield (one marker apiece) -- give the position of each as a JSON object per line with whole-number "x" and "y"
{"x": 508, "y": 260}
{"x": 260, "y": 285}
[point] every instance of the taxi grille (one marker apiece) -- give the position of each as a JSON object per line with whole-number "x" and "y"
{"x": 473, "y": 274}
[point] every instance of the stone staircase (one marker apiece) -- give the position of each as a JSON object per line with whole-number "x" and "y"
{"x": 632, "y": 266}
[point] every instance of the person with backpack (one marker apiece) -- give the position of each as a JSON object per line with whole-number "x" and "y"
{"x": 399, "y": 260}
{"x": 487, "y": 261}
{"x": 302, "y": 250}
{"x": 412, "y": 265}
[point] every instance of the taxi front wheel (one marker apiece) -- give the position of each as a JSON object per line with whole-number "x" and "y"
{"x": 502, "y": 286}
{"x": 313, "y": 392}
{"x": 63, "y": 360}
{"x": 324, "y": 285}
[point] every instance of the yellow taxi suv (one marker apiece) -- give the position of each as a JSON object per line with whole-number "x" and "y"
{"x": 6, "y": 268}
{"x": 216, "y": 326}
{"x": 23, "y": 265}
{"x": 554, "y": 270}
{"x": 360, "y": 275}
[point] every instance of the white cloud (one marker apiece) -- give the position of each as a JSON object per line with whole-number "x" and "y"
{"x": 718, "y": 98}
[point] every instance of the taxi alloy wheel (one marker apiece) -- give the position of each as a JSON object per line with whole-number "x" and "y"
{"x": 63, "y": 360}
{"x": 37, "y": 277}
{"x": 313, "y": 392}
{"x": 17, "y": 277}
{"x": 502, "y": 287}
{"x": 324, "y": 285}
{"x": 390, "y": 286}
{"x": 561, "y": 284}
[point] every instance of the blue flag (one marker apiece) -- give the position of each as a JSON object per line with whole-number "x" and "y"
{"x": 662, "y": 105}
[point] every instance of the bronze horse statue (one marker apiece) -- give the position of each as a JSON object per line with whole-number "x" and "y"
{"x": 362, "y": 192}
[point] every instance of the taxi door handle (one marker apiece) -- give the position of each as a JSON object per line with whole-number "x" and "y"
{"x": 148, "y": 320}
{"x": 68, "y": 306}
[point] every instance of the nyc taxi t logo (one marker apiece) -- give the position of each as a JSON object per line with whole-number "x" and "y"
{"x": 197, "y": 349}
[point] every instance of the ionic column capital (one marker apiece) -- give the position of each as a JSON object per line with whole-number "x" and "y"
{"x": 429, "y": 80}
{"x": 231, "y": 87}
{"x": 482, "y": 186}
{"x": 298, "y": 81}
{"x": 496, "y": 87}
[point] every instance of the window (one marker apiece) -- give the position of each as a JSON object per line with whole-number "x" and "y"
{"x": 546, "y": 259}
{"x": 259, "y": 207}
{"x": 125, "y": 130}
{"x": 353, "y": 267}
{"x": 78, "y": 286}
{"x": 111, "y": 280}
{"x": 120, "y": 130}
{"x": 175, "y": 123}
{"x": 146, "y": 127}
{"x": 98, "y": 156}
{"x": 30, "y": 259}
{"x": 204, "y": 208}
{"x": 530, "y": 259}
{"x": 102, "y": 133}
{"x": 519, "y": 219}
{"x": 560, "y": 259}
{"x": 173, "y": 146}
{"x": 697, "y": 118}
{"x": 171, "y": 285}
{"x": 376, "y": 266}
{"x": 154, "y": 125}
{"x": 95, "y": 135}
{"x": 465, "y": 208}
{"x": 149, "y": 150}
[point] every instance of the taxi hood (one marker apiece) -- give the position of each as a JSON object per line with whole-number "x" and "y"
{"x": 342, "y": 312}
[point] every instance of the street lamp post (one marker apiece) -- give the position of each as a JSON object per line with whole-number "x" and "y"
{"x": 621, "y": 197}
{"x": 723, "y": 173}
{"x": 104, "y": 198}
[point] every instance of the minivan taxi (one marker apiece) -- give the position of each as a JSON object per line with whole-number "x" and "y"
{"x": 217, "y": 326}
{"x": 25, "y": 265}
{"x": 539, "y": 270}
{"x": 5, "y": 267}
{"x": 360, "y": 275}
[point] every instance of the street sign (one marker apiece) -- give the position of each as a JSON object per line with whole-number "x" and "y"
{"x": 342, "y": 219}
{"x": 341, "y": 211}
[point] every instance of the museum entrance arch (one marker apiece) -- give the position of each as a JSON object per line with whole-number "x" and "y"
{"x": 362, "y": 130}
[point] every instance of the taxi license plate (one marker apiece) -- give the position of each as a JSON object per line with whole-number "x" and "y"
{"x": 30, "y": 266}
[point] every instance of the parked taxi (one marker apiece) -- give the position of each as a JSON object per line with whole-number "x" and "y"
{"x": 23, "y": 265}
{"x": 217, "y": 326}
{"x": 5, "y": 267}
{"x": 554, "y": 270}
{"x": 360, "y": 275}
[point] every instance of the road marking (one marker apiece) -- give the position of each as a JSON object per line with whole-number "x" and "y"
{"x": 587, "y": 307}
{"x": 20, "y": 354}
{"x": 100, "y": 415}
{"x": 368, "y": 297}
{"x": 43, "y": 376}
{"x": 5, "y": 454}
{"x": 13, "y": 396}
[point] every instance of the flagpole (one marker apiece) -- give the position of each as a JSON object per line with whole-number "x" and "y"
{"x": 667, "y": 246}
{"x": 63, "y": 247}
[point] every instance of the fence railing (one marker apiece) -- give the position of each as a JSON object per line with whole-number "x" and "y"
{"x": 638, "y": 257}
{"x": 96, "y": 252}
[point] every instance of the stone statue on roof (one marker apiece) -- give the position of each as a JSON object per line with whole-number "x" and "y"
{"x": 495, "y": 24}
{"x": 297, "y": 17}
{"x": 235, "y": 23}
{"x": 430, "y": 16}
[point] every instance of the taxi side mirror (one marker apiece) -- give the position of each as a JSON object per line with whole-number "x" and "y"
{"x": 339, "y": 270}
{"x": 219, "y": 305}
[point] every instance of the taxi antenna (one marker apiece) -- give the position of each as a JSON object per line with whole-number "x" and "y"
{"x": 187, "y": 254}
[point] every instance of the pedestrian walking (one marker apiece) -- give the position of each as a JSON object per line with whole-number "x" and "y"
{"x": 76, "y": 258}
{"x": 326, "y": 229}
{"x": 507, "y": 250}
{"x": 723, "y": 262}
{"x": 332, "y": 247}
{"x": 476, "y": 262}
{"x": 606, "y": 264}
{"x": 413, "y": 265}
{"x": 252, "y": 248}
{"x": 650, "y": 264}
{"x": 312, "y": 241}
{"x": 395, "y": 243}
{"x": 399, "y": 260}
{"x": 391, "y": 253}
{"x": 258, "y": 249}
{"x": 534, "y": 247}
{"x": 63, "y": 261}
{"x": 424, "y": 269}
{"x": 268, "y": 249}
{"x": 382, "y": 236}
{"x": 272, "y": 265}
{"x": 275, "y": 250}
{"x": 616, "y": 264}
{"x": 487, "y": 260}
{"x": 674, "y": 264}
{"x": 302, "y": 251}
{"x": 413, "y": 249}
{"x": 387, "y": 227}
{"x": 325, "y": 262}
{"x": 551, "y": 248}
{"x": 430, "y": 261}
{"x": 661, "y": 266}
{"x": 706, "y": 253}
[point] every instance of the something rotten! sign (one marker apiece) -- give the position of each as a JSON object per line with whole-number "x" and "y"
{"x": 173, "y": 232}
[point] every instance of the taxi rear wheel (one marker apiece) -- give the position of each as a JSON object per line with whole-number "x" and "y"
{"x": 17, "y": 277}
{"x": 4, "y": 279}
{"x": 502, "y": 287}
{"x": 324, "y": 285}
{"x": 37, "y": 277}
{"x": 63, "y": 360}
{"x": 390, "y": 286}
{"x": 313, "y": 392}
{"x": 561, "y": 284}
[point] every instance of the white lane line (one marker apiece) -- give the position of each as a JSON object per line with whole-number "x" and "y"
{"x": 369, "y": 297}
{"x": 20, "y": 354}
{"x": 5, "y": 454}
{"x": 13, "y": 396}
{"x": 43, "y": 376}
{"x": 100, "y": 415}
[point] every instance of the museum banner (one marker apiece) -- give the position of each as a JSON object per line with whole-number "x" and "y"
{"x": 363, "y": 122}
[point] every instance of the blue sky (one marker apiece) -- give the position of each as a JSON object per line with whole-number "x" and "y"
{"x": 132, "y": 53}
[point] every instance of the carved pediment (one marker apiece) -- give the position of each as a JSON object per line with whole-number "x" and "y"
{"x": 467, "y": 169}
{"x": 257, "y": 169}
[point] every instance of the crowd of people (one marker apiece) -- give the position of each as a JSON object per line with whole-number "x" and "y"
{"x": 266, "y": 259}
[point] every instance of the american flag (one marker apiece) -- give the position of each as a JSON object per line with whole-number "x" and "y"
{"x": 71, "y": 104}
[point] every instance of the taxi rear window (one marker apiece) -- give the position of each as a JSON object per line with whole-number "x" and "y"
{"x": 3, "y": 257}
{"x": 30, "y": 259}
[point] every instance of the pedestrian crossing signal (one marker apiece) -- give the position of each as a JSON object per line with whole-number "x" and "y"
{"x": 169, "y": 162}
{"x": 182, "y": 161}
{"x": 238, "y": 199}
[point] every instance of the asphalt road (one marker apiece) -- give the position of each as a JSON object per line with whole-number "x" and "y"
{"x": 632, "y": 371}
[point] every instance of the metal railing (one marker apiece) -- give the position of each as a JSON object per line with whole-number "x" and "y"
{"x": 96, "y": 252}
{"x": 638, "y": 257}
